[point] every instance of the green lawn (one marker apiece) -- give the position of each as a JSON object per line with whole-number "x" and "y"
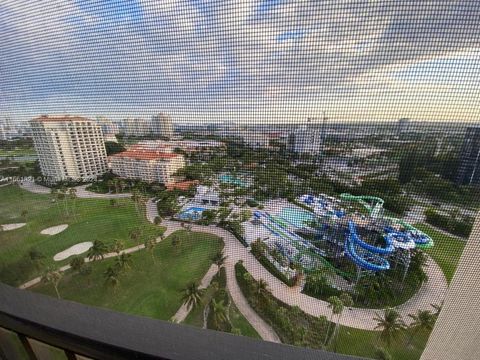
{"x": 18, "y": 151}
{"x": 364, "y": 343}
{"x": 150, "y": 288}
{"x": 93, "y": 219}
{"x": 446, "y": 250}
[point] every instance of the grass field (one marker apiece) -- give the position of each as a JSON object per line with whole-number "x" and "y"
{"x": 92, "y": 219}
{"x": 446, "y": 252}
{"x": 364, "y": 343}
{"x": 150, "y": 288}
{"x": 18, "y": 151}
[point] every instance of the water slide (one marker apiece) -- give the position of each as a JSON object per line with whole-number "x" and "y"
{"x": 278, "y": 228}
{"x": 366, "y": 257}
{"x": 403, "y": 239}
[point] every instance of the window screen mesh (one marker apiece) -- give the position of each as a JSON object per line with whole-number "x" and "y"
{"x": 304, "y": 172}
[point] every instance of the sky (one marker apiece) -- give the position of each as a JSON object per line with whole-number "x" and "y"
{"x": 241, "y": 60}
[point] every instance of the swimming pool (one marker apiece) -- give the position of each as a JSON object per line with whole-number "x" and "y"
{"x": 296, "y": 217}
{"x": 193, "y": 213}
{"x": 230, "y": 179}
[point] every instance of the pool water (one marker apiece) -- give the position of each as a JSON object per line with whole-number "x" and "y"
{"x": 193, "y": 213}
{"x": 296, "y": 217}
{"x": 229, "y": 179}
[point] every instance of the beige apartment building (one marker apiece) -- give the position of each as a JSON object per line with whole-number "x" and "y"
{"x": 146, "y": 165}
{"x": 69, "y": 148}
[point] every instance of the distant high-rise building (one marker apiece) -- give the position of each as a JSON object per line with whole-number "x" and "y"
{"x": 69, "y": 147}
{"x": 403, "y": 125}
{"x": 135, "y": 127}
{"x": 305, "y": 140}
{"x": 108, "y": 126}
{"x": 3, "y": 133}
{"x": 469, "y": 167}
{"x": 162, "y": 125}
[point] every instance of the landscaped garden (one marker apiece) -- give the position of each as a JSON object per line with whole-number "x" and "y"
{"x": 147, "y": 282}
{"x": 26, "y": 253}
{"x": 393, "y": 340}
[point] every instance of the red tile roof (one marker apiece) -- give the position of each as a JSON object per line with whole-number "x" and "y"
{"x": 145, "y": 155}
{"x": 184, "y": 185}
{"x": 44, "y": 118}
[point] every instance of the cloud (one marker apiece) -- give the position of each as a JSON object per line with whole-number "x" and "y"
{"x": 234, "y": 55}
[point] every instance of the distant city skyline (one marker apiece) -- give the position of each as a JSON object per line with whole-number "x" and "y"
{"x": 244, "y": 61}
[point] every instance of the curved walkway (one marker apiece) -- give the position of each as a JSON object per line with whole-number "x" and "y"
{"x": 431, "y": 292}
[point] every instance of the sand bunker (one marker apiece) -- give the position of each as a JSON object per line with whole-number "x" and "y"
{"x": 54, "y": 230}
{"x": 7, "y": 227}
{"x": 76, "y": 249}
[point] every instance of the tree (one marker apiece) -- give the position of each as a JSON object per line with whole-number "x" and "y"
{"x": 135, "y": 234}
{"x": 390, "y": 324}
{"x": 24, "y": 214}
{"x": 52, "y": 277}
{"x": 111, "y": 277}
{"x": 261, "y": 287}
{"x": 72, "y": 194}
{"x": 219, "y": 259}
{"x": 113, "y": 202}
{"x": 219, "y": 313}
{"x": 336, "y": 305}
{"x": 97, "y": 251}
{"x": 123, "y": 262}
{"x": 37, "y": 258}
{"x": 86, "y": 271}
{"x": 192, "y": 295}
{"x": 113, "y": 148}
{"x": 176, "y": 242}
{"x": 157, "y": 220}
{"x": 118, "y": 246}
{"x": 76, "y": 263}
{"x": 422, "y": 320}
{"x": 150, "y": 246}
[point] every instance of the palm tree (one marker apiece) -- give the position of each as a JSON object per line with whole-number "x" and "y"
{"x": 24, "y": 214}
{"x": 111, "y": 277}
{"x": 52, "y": 277}
{"x": 219, "y": 312}
{"x": 261, "y": 287}
{"x": 97, "y": 251}
{"x": 390, "y": 324}
{"x": 422, "y": 320}
{"x": 123, "y": 262}
{"x": 86, "y": 270}
{"x": 150, "y": 246}
{"x": 346, "y": 301}
{"x": 176, "y": 242}
{"x": 77, "y": 263}
{"x": 37, "y": 258}
{"x": 219, "y": 259}
{"x": 62, "y": 195}
{"x": 135, "y": 234}
{"x": 72, "y": 194}
{"x": 118, "y": 246}
{"x": 113, "y": 202}
{"x": 336, "y": 305}
{"x": 192, "y": 295}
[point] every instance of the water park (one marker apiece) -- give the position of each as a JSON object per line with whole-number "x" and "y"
{"x": 321, "y": 231}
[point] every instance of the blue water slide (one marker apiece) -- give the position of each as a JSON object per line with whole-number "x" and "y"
{"x": 388, "y": 249}
{"x": 365, "y": 258}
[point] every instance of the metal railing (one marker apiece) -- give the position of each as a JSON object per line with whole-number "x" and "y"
{"x": 103, "y": 334}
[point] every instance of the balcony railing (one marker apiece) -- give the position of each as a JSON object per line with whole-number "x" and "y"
{"x": 97, "y": 333}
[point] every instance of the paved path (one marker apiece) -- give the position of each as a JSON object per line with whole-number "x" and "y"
{"x": 81, "y": 191}
{"x": 184, "y": 310}
{"x": 432, "y": 291}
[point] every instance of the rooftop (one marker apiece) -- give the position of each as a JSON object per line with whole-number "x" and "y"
{"x": 145, "y": 154}
{"x": 48, "y": 118}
